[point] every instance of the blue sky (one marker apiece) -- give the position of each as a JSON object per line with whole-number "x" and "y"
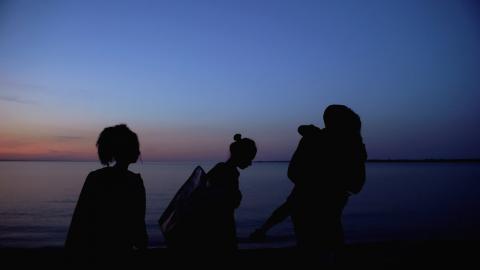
{"x": 187, "y": 75}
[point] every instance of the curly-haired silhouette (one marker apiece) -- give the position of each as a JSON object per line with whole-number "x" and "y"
{"x": 109, "y": 219}
{"x": 327, "y": 167}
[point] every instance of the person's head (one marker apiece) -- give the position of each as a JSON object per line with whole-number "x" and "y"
{"x": 242, "y": 151}
{"x": 119, "y": 144}
{"x": 340, "y": 118}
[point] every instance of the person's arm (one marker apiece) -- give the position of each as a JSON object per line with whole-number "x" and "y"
{"x": 357, "y": 174}
{"x": 224, "y": 191}
{"x": 229, "y": 196}
{"x": 78, "y": 236}
{"x": 141, "y": 236}
{"x": 237, "y": 195}
{"x": 279, "y": 215}
{"x": 296, "y": 167}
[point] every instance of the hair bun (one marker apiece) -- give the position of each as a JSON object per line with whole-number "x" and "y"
{"x": 237, "y": 137}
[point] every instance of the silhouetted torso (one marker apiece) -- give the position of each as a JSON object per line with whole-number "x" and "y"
{"x": 208, "y": 223}
{"x": 325, "y": 168}
{"x": 110, "y": 214}
{"x": 224, "y": 197}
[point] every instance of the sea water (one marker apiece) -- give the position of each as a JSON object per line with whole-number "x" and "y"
{"x": 400, "y": 201}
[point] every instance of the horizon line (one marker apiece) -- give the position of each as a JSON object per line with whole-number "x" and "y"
{"x": 257, "y": 161}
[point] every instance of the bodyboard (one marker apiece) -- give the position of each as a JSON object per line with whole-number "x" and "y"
{"x": 181, "y": 204}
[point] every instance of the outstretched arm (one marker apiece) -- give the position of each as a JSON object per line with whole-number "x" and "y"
{"x": 279, "y": 215}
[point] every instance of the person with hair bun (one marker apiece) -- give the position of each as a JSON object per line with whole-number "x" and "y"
{"x": 109, "y": 219}
{"x": 218, "y": 230}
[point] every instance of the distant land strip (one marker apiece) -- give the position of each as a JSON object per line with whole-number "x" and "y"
{"x": 428, "y": 160}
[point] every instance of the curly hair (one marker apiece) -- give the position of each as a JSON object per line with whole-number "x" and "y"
{"x": 118, "y": 143}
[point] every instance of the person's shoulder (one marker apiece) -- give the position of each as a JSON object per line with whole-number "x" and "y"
{"x": 309, "y": 130}
{"x": 310, "y": 134}
{"x": 133, "y": 174}
{"x": 97, "y": 177}
{"x": 218, "y": 167}
{"x": 107, "y": 172}
{"x": 224, "y": 170}
{"x": 99, "y": 173}
{"x": 136, "y": 178}
{"x": 221, "y": 169}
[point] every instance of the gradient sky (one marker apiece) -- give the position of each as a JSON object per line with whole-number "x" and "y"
{"x": 188, "y": 75}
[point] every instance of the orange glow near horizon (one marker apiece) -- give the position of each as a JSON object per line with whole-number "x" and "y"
{"x": 44, "y": 148}
{"x": 31, "y": 147}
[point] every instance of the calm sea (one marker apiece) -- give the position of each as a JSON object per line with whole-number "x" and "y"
{"x": 400, "y": 201}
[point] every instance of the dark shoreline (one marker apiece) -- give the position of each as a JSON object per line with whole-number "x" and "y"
{"x": 433, "y": 160}
{"x": 423, "y": 161}
{"x": 401, "y": 161}
{"x": 378, "y": 255}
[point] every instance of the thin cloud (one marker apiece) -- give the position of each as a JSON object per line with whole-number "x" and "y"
{"x": 16, "y": 100}
{"x": 20, "y": 86}
{"x": 68, "y": 138}
{"x": 20, "y": 92}
{"x": 17, "y": 85}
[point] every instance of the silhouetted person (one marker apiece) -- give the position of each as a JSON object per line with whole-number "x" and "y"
{"x": 211, "y": 227}
{"x": 109, "y": 219}
{"x": 327, "y": 167}
{"x": 225, "y": 195}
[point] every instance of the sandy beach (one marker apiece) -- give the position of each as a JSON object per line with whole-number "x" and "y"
{"x": 374, "y": 255}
